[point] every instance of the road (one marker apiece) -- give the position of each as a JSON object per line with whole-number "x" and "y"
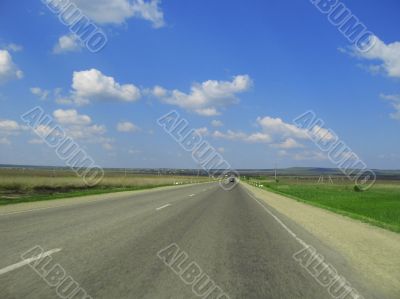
{"x": 111, "y": 247}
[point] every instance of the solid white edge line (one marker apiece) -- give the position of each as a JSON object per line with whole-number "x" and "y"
{"x": 27, "y": 261}
{"x": 279, "y": 221}
{"x": 162, "y": 207}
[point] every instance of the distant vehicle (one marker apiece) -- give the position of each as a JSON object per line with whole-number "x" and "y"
{"x": 231, "y": 180}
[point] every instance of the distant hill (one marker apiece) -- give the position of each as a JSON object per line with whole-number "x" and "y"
{"x": 292, "y": 171}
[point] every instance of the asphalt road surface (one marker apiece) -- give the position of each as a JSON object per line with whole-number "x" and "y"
{"x": 122, "y": 248}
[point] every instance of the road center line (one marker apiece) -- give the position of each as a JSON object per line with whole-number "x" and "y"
{"x": 27, "y": 261}
{"x": 191, "y": 195}
{"x": 162, "y": 207}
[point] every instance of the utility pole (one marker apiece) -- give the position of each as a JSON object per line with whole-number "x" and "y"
{"x": 275, "y": 173}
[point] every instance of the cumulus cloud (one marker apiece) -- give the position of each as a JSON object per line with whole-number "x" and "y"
{"x": 67, "y": 43}
{"x": 40, "y": 93}
{"x": 394, "y": 100}
{"x": 206, "y": 98}
{"x": 71, "y": 117}
{"x": 240, "y": 136}
{"x": 149, "y": 11}
{"x": 93, "y": 85}
{"x": 278, "y": 126}
{"x": 127, "y": 127}
{"x": 118, "y": 11}
{"x": 221, "y": 150}
{"x": 387, "y": 56}
{"x": 9, "y": 128}
{"x": 289, "y": 143}
{"x": 320, "y": 133}
{"x": 14, "y": 47}
{"x": 202, "y": 131}
{"x": 8, "y": 70}
{"x": 77, "y": 126}
{"x": 285, "y": 137}
{"x": 217, "y": 123}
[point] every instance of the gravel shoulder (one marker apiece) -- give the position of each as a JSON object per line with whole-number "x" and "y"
{"x": 373, "y": 252}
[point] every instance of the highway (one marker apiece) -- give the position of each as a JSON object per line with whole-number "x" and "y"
{"x": 119, "y": 248}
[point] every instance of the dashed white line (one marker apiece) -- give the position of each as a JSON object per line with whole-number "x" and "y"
{"x": 163, "y": 207}
{"x": 27, "y": 261}
{"x": 191, "y": 195}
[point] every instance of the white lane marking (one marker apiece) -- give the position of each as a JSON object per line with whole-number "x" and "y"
{"x": 27, "y": 261}
{"x": 280, "y": 222}
{"x": 162, "y": 207}
{"x": 70, "y": 204}
{"x": 191, "y": 195}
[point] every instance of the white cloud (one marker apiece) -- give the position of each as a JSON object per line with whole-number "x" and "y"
{"x": 127, "y": 127}
{"x": 289, "y": 143}
{"x": 387, "y": 54}
{"x": 149, "y": 11}
{"x": 76, "y": 126}
{"x": 91, "y": 134}
{"x": 320, "y": 133}
{"x": 208, "y": 97}
{"x": 107, "y": 146}
{"x": 202, "y": 131}
{"x": 240, "y": 136}
{"x": 278, "y": 126}
{"x": 221, "y": 150}
{"x": 394, "y": 100}
{"x": 43, "y": 130}
{"x": 217, "y": 123}
{"x": 8, "y": 70}
{"x": 41, "y": 93}
{"x": 14, "y": 47}
{"x": 67, "y": 43}
{"x": 71, "y": 117}
{"x": 159, "y": 91}
{"x": 9, "y": 126}
{"x": 92, "y": 85}
{"x": 258, "y": 138}
{"x": 230, "y": 135}
{"x": 118, "y": 11}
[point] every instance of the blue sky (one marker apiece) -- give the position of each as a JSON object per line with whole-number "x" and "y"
{"x": 239, "y": 72}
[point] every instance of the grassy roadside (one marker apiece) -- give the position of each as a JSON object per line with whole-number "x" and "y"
{"x": 71, "y": 194}
{"x": 30, "y": 185}
{"x": 380, "y": 206}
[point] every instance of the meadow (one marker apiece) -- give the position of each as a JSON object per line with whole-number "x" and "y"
{"x": 33, "y": 184}
{"x": 379, "y": 205}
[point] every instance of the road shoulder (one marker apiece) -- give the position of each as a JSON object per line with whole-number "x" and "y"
{"x": 374, "y": 252}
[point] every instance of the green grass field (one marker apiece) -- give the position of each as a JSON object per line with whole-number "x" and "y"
{"x": 24, "y": 185}
{"x": 379, "y": 206}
